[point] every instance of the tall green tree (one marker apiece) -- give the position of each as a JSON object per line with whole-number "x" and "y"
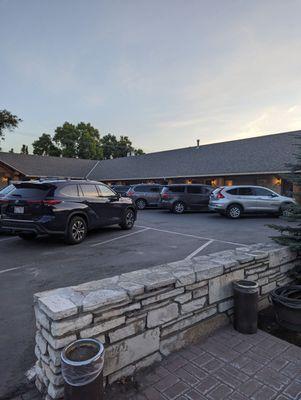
{"x": 66, "y": 138}
{"x": 109, "y": 144}
{"x": 8, "y": 122}
{"x": 89, "y": 143}
{"x": 24, "y": 149}
{"x": 44, "y": 146}
{"x": 291, "y": 235}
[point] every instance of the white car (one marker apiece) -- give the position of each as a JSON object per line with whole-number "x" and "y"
{"x": 234, "y": 201}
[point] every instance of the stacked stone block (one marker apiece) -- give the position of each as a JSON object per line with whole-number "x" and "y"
{"x": 144, "y": 315}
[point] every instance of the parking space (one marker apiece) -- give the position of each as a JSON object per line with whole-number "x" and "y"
{"x": 158, "y": 237}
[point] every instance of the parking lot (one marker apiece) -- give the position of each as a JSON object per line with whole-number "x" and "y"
{"x": 158, "y": 237}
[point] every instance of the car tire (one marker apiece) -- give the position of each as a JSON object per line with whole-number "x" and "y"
{"x": 128, "y": 219}
{"x": 178, "y": 207}
{"x": 76, "y": 231}
{"x": 234, "y": 211}
{"x": 140, "y": 204}
{"x": 284, "y": 210}
{"x": 27, "y": 236}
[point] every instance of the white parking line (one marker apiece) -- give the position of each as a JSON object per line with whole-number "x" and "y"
{"x": 11, "y": 269}
{"x": 9, "y": 238}
{"x": 193, "y": 236}
{"x": 119, "y": 237}
{"x": 194, "y": 253}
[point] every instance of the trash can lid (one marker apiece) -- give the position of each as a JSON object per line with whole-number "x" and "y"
{"x": 82, "y": 352}
{"x": 245, "y": 284}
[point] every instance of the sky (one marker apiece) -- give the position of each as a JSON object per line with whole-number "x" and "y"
{"x": 163, "y": 72}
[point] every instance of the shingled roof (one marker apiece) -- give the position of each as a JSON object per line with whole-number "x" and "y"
{"x": 262, "y": 154}
{"x": 45, "y": 166}
{"x": 257, "y": 155}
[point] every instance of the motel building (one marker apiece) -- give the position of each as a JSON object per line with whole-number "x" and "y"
{"x": 261, "y": 160}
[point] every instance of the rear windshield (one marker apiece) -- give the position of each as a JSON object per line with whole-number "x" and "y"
{"x": 7, "y": 189}
{"x": 175, "y": 189}
{"x": 30, "y": 192}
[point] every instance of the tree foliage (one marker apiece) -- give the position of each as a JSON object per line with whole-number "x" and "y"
{"x": 291, "y": 235}
{"x": 84, "y": 141}
{"x": 24, "y": 149}
{"x": 8, "y": 122}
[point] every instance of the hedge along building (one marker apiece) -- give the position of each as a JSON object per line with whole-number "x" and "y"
{"x": 255, "y": 161}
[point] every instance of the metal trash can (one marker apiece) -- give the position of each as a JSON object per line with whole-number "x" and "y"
{"x": 82, "y": 370}
{"x": 245, "y": 306}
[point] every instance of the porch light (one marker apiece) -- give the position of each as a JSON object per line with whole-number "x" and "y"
{"x": 277, "y": 181}
{"x": 214, "y": 182}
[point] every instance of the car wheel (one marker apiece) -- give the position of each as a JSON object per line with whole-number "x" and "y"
{"x": 27, "y": 236}
{"x": 178, "y": 207}
{"x": 77, "y": 231}
{"x": 128, "y": 220}
{"x": 234, "y": 211}
{"x": 140, "y": 204}
{"x": 285, "y": 210}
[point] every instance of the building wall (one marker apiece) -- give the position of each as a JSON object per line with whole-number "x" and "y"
{"x": 6, "y": 175}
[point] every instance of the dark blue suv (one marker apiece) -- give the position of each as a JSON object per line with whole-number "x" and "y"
{"x": 69, "y": 208}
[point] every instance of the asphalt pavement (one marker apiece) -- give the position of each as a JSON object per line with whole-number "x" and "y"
{"x": 47, "y": 263}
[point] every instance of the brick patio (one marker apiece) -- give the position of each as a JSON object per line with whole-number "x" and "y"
{"x": 228, "y": 365}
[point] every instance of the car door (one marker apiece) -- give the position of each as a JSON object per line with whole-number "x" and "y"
{"x": 99, "y": 206}
{"x": 111, "y": 203}
{"x": 154, "y": 195}
{"x": 196, "y": 197}
{"x": 267, "y": 201}
{"x": 247, "y": 198}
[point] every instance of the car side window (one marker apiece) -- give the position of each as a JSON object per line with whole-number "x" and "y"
{"x": 233, "y": 192}
{"x": 263, "y": 192}
{"x": 245, "y": 191}
{"x": 195, "y": 189}
{"x": 156, "y": 189}
{"x": 105, "y": 191}
{"x": 89, "y": 190}
{"x": 140, "y": 189}
{"x": 69, "y": 190}
{"x": 176, "y": 189}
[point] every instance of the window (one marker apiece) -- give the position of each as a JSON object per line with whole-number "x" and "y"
{"x": 156, "y": 189}
{"x": 69, "y": 190}
{"x": 195, "y": 189}
{"x": 140, "y": 188}
{"x": 89, "y": 191}
{"x": 105, "y": 191}
{"x": 263, "y": 192}
{"x": 233, "y": 192}
{"x": 176, "y": 189}
{"x": 30, "y": 192}
{"x": 245, "y": 191}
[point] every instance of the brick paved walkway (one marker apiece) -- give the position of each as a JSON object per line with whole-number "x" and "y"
{"x": 227, "y": 366}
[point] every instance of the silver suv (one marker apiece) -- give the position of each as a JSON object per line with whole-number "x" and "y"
{"x": 234, "y": 201}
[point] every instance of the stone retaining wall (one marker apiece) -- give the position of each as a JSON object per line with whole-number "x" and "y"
{"x": 143, "y": 315}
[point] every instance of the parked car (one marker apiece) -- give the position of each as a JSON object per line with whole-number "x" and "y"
{"x": 69, "y": 208}
{"x": 234, "y": 201}
{"x": 145, "y": 195}
{"x": 179, "y": 198}
{"x": 121, "y": 189}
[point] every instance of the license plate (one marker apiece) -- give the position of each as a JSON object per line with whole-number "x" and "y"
{"x": 19, "y": 210}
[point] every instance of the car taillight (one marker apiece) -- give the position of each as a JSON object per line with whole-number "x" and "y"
{"x": 130, "y": 193}
{"x": 164, "y": 195}
{"x": 49, "y": 202}
{"x": 220, "y": 195}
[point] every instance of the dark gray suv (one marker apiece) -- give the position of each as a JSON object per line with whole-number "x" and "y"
{"x": 145, "y": 195}
{"x": 179, "y": 198}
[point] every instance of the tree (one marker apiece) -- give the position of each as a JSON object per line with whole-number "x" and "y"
{"x": 11, "y": 150}
{"x": 138, "y": 152}
{"x": 24, "y": 149}
{"x": 45, "y": 147}
{"x": 289, "y": 235}
{"x": 8, "y": 121}
{"x": 124, "y": 147}
{"x": 109, "y": 144}
{"x": 89, "y": 143}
